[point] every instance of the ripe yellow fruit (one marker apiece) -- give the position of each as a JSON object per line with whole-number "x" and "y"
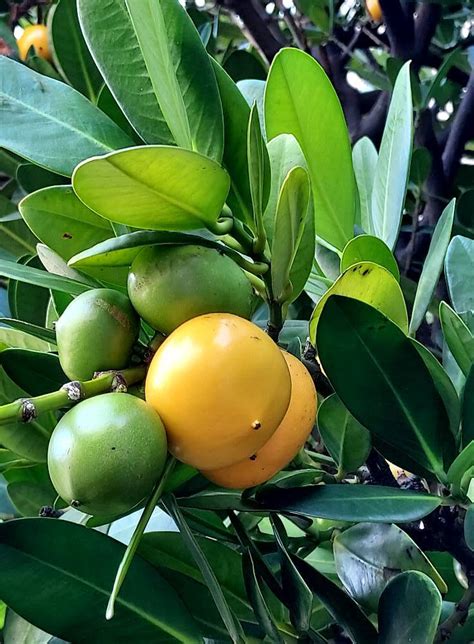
{"x": 221, "y": 387}
{"x": 34, "y": 36}
{"x": 374, "y": 10}
{"x": 285, "y": 443}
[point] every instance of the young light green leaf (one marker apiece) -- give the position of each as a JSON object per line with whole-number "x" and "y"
{"x": 300, "y": 100}
{"x": 367, "y": 248}
{"x": 432, "y": 266}
{"x": 411, "y": 604}
{"x": 259, "y": 173}
{"x": 393, "y": 164}
{"x": 458, "y": 337}
{"x": 370, "y": 283}
{"x": 157, "y": 187}
{"x": 70, "y": 128}
{"x": 459, "y": 269}
{"x": 364, "y": 159}
{"x": 368, "y": 555}
{"x": 70, "y": 52}
{"x": 347, "y": 441}
{"x": 180, "y": 73}
{"x": 292, "y": 211}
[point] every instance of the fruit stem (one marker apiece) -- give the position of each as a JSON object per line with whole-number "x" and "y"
{"x": 137, "y": 535}
{"x": 275, "y": 322}
{"x": 27, "y": 409}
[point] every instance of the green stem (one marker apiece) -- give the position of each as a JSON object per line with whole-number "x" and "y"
{"x": 137, "y": 535}
{"x": 222, "y": 226}
{"x": 239, "y": 233}
{"x": 275, "y": 322}
{"x": 25, "y": 410}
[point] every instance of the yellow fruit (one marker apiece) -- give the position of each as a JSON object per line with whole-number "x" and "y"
{"x": 221, "y": 387}
{"x": 374, "y": 10}
{"x": 34, "y": 36}
{"x": 285, "y": 443}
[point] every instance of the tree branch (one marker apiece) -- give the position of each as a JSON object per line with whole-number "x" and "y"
{"x": 460, "y": 613}
{"x": 400, "y": 28}
{"x": 258, "y": 24}
{"x": 425, "y": 24}
{"x": 462, "y": 130}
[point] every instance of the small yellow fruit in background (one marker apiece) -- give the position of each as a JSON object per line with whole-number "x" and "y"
{"x": 374, "y": 10}
{"x": 34, "y": 36}
{"x": 285, "y": 443}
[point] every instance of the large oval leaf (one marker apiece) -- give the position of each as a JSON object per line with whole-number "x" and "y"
{"x": 369, "y": 283}
{"x": 300, "y": 100}
{"x": 62, "y": 222}
{"x": 367, "y": 556}
{"x": 367, "y": 248}
{"x": 411, "y": 604}
{"x": 156, "y": 187}
{"x": 383, "y": 381}
{"x": 349, "y": 502}
{"x": 80, "y": 569}
{"x": 36, "y": 108}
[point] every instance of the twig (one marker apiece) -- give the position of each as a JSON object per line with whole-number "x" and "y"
{"x": 400, "y": 28}
{"x": 461, "y": 131}
{"x": 459, "y": 614}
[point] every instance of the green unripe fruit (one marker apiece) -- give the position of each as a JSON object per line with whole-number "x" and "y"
{"x": 96, "y": 332}
{"x": 106, "y": 454}
{"x": 169, "y": 285}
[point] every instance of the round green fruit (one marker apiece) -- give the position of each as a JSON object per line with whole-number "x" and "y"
{"x": 169, "y": 285}
{"x": 106, "y": 454}
{"x": 96, "y": 332}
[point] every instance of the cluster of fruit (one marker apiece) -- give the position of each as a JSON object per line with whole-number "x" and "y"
{"x": 220, "y": 395}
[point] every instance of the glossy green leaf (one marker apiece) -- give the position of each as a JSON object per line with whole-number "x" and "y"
{"x": 27, "y": 440}
{"x": 156, "y": 187}
{"x": 147, "y": 609}
{"x": 19, "y": 631}
{"x": 28, "y": 302}
{"x": 349, "y": 502}
{"x": 366, "y": 248}
{"x": 241, "y": 64}
{"x": 432, "y": 266}
{"x": 461, "y": 464}
{"x": 300, "y": 100}
{"x": 121, "y": 251}
{"x": 31, "y": 329}
{"x": 292, "y": 212}
{"x": 123, "y": 67}
{"x": 368, "y": 555}
{"x": 317, "y": 285}
{"x": 411, "y": 604}
{"x": 19, "y": 339}
{"x": 253, "y": 91}
{"x": 346, "y": 440}
{"x": 16, "y": 239}
{"x": 34, "y": 371}
{"x": 364, "y": 159}
{"x": 62, "y": 222}
{"x": 180, "y": 73}
{"x": 233, "y": 626}
{"x": 467, "y": 432}
{"x": 70, "y": 128}
{"x": 393, "y": 164}
{"x": 236, "y": 115}
{"x": 41, "y": 278}
{"x": 106, "y": 103}
{"x": 459, "y": 269}
{"x": 444, "y": 385}
{"x": 458, "y": 337}
{"x": 343, "y": 608}
{"x": 300, "y": 596}
{"x": 259, "y": 169}
{"x": 33, "y": 177}
{"x": 370, "y": 283}
{"x": 257, "y": 599}
{"x": 387, "y": 388}
{"x": 70, "y": 52}
{"x": 469, "y": 527}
